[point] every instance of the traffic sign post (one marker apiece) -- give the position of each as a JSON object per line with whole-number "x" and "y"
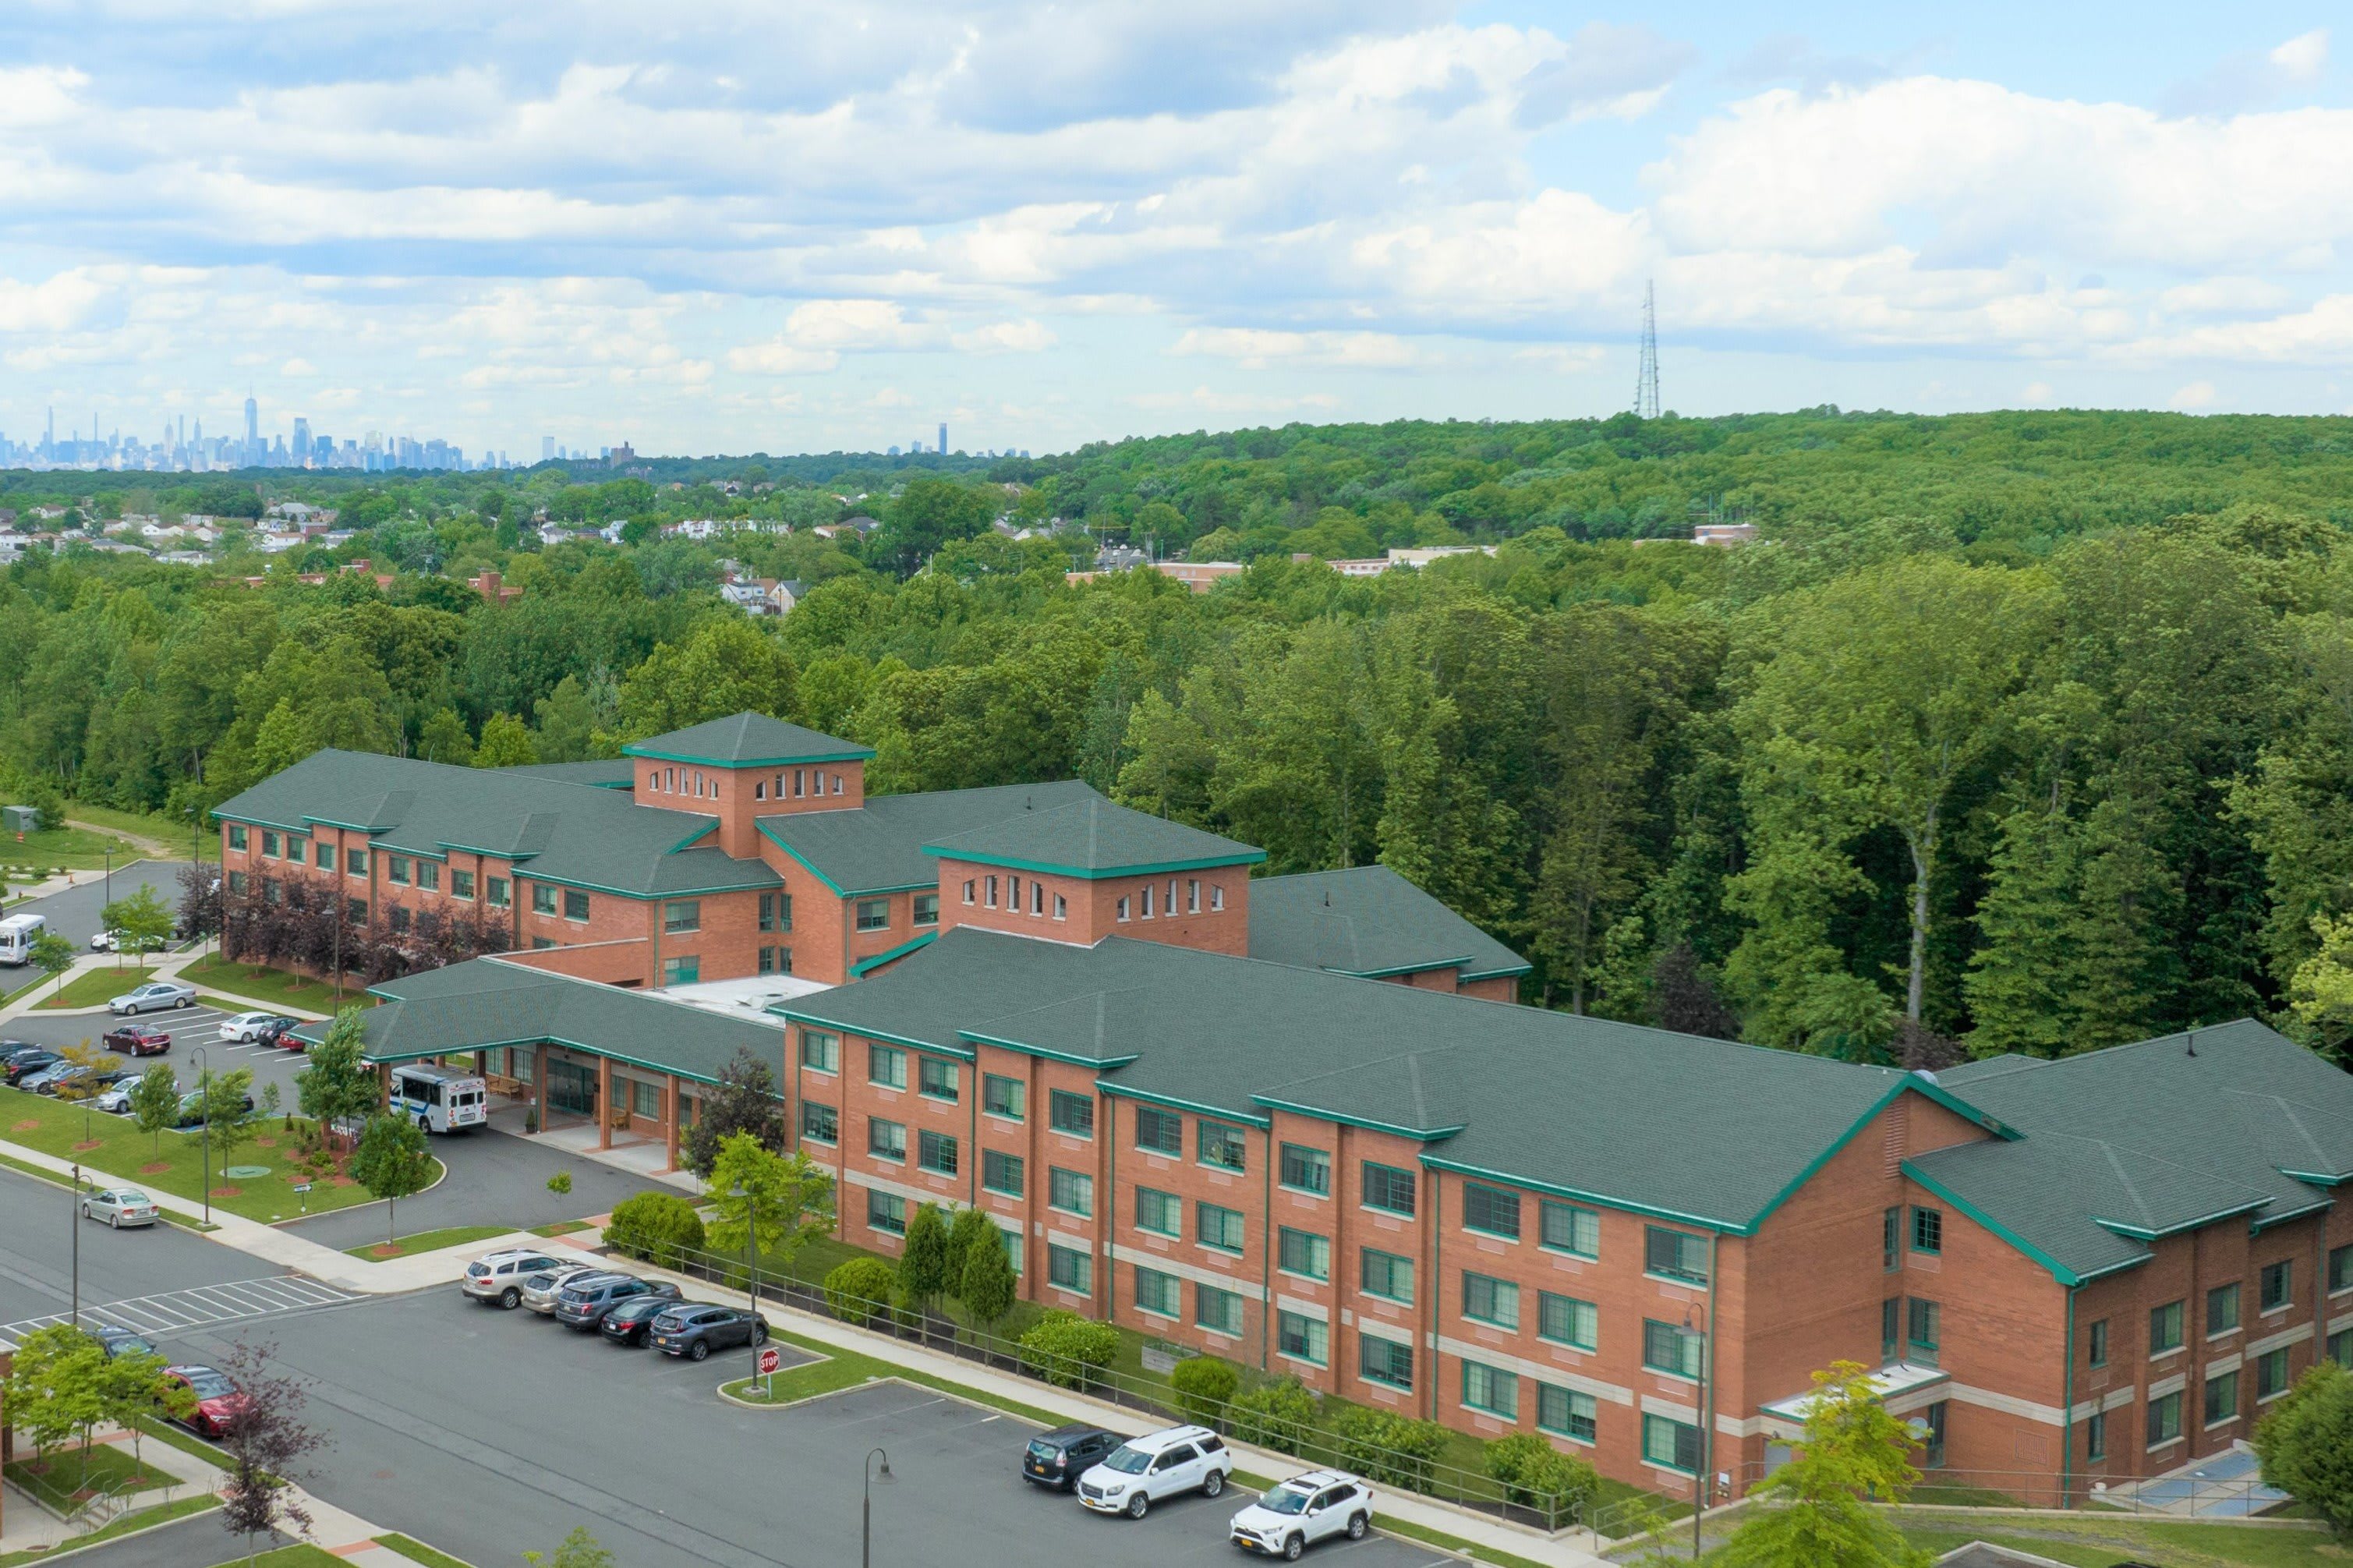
{"x": 302, "y": 1193}
{"x": 770, "y": 1359}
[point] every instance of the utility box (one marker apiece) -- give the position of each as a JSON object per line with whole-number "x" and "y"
{"x": 20, "y": 819}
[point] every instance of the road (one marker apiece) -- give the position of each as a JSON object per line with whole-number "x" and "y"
{"x": 73, "y": 914}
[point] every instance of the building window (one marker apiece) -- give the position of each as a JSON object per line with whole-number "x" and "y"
{"x": 1485, "y": 1388}
{"x": 1928, "y": 1230}
{"x": 775, "y": 960}
{"x": 1672, "y": 1349}
{"x": 355, "y": 862}
{"x": 1219, "y": 1311}
{"x": 1932, "y": 1456}
{"x": 874, "y": 914}
{"x": 1218, "y": 1227}
{"x": 2222, "y": 1398}
{"x": 1120, "y": 913}
{"x": 1217, "y": 899}
{"x": 1491, "y": 1210}
{"x": 1565, "y": 1320}
{"x": 537, "y": 943}
{"x": 400, "y": 916}
{"x": 2095, "y": 1435}
{"x": 937, "y": 1152}
{"x": 1061, "y": 907}
{"x": 2270, "y": 1374}
{"x": 775, "y": 912}
{"x": 240, "y": 882}
{"x": 2165, "y": 1329}
{"x": 296, "y": 849}
{"x": 1386, "y": 1275}
{"x": 927, "y": 908}
{"x": 1384, "y": 1361}
{"x": 886, "y": 1065}
{"x": 2276, "y": 1285}
{"x": 461, "y": 884}
{"x": 1307, "y": 1170}
{"x": 355, "y": 909}
{"x": 1148, "y": 901}
{"x": 1301, "y": 1338}
{"x": 885, "y": 1140}
{"x": 937, "y": 1079}
{"x": 820, "y": 1124}
{"x": 1001, "y": 1172}
{"x": 1159, "y": 1293}
{"x": 968, "y": 897}
{"x": 2164, "y": 1418}
{"x": 990, "y": 897}
{"x": 324, "y": 854}
{"x": 886, "y": 1212}
{"x": 1671, "y": 1444}
{"x": 2099, "y": 1343}
{"x": 821, "y": 1050}
{"x": 1891, "y": 1233}
{"x": 1220, "y": 1145}
{"x": 1070, "y": 1191}
{"x": 576, "y": 903}
{"x": 237, "y": 837}
{"x": 682, "y": 970}
{"x": 1565, "y": 1411}
{"x": 1070, "y": 1269}
{"x": 1570, "y": 1229}
{"x": 1674, "y": 1254}
{"x": 2340, "y": 1347}
{"x": 2340, "y": 1268}
{"x": 1305, "y": 1254}
{"x": 1388, "y": 1189}
{"x": 1013, "y": 894}
{"x": 1192, "y": 895}
{"x": 1890, "y": 1314}
{"x": 396, "y": 870}
{"x": 1495, "y": 1302}
{"x": 1001, "y": 1095}
{"x": 2221, "y": 1309}
{"x": 270, "y": 846}
{"x": 1159, "y": 1131}
{"x": 1163, "y": 1214}
{"x": 681, "y": 914}
{"x": 428, "y": 876}
{"x": 497, "y": 892}
{"x": 542, "y": 898}
{"x": 1073, "y": 1113}
{"x": 645, "y": 1099}
{"x": 1924, "y": 1323}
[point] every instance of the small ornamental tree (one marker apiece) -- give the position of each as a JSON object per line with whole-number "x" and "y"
{"x": 266, "y": 1440}
{"x": 780, "y": 1202}
{"x": 224, "y": 1097}
{"x": 53, "y": 956}
{"x": 391, "y": 1162}
{"x": 924, "y": 1272}
{"x": 335, "y": 1084}
{"x": 154, "y": 1101}
{"x": 2305, "y": 1444}
{"x": 131, "y": 1388}
{"x": 200, "y": 899}
{"x": 1205, "y": 1387}
{"x": 53, "y": 1390}
{"x": 578, "y": 1550}
{"x": 142, "y": 921}
{"x": 981, "y": 1273}
{"x": 745, "y": 1101}
{"x": 1811, "y": 1512}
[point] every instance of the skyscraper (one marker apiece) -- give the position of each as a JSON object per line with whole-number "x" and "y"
{"x": 252, "y": 429}
{"x": 547, "y": 449}
{"x": 301, "y": 441}
{"x": 944, "y": 438}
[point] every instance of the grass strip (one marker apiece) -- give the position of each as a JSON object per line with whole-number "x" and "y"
{"x": 129, "y": 1524}
{"x": 417, "y": 1551}
{"x": 426, "y": 1240}
{"x": 93, "y": 986}
{"x": 562, "y": 1228}
{"x": 186, "y": 1442}
{"x": 302, "y": 1554}
{"x": 270, "y": 987}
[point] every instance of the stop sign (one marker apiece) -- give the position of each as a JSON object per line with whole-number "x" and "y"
{"x": 770, "y": 1359}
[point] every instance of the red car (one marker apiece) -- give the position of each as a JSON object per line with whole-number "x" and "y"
{"x": 219, "y": 1401}
{"x": 138, "y": 1039}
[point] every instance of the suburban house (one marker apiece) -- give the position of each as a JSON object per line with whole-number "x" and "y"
{"x": 1299, "y": 1122}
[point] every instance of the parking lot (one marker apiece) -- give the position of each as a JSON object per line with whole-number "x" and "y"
{"x": 73, "y": 912}
{"x": 188, "y": 1026}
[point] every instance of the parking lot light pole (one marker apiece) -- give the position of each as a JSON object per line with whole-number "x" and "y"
{"x": 205, "y": 1104}
{"x": 74, "y": 1211}
{"x": 866, "y": 1515}
{"x": 751, "y": 1264}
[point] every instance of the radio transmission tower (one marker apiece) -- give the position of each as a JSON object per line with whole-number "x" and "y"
{"x": 1646, "y": 378}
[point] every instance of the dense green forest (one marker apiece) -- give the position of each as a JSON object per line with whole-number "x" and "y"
{"x": 2024, "y": 731}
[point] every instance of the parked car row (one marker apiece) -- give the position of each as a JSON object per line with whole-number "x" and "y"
{"x": 1127, "y": 1476}
{"x": 261, "y": 1029}
{"x": 626, "y": 1309}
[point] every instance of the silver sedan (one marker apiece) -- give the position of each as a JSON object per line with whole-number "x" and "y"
{"x": 120, "y": 1206}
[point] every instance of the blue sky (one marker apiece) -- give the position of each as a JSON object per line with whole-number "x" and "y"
{"x": 803, "y": 226}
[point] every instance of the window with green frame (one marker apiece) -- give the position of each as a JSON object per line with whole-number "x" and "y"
{"x": 1492, "y": 1390}
{"x": 1670, "y": 1444}
{"x": 1305, "y": 1254}
{"x": 886, "y": 1065}
{"x": 1159, "y": 1131}
{"x": 2270, "y": 1374}
{"x": 2275, "y": 1285}
{"x": 1071, "y": 1191}
{"x": 1220, "y": 1145}
{"x": 1307, "y": 1170}
{"x": 2221, "y": 1398}
{"x": 683, "y": 968}
{"x": 1001, "y": 1095}
{"x": 820, "y": 1122}
{"x": 2164, "y": 1418}
{"x": 1566, "y": 1320}
{"x": 1491, "y": 1209}
{"x": 1674, "y": 1254}
{"x": 1162, "y": 1214}
{"x": 576, "y": 903}
{"x": 820, "y": 1051}
{"x": 1486, "y": 1300}
{"x": 886, "y": 1140}
{"x": 1386, "y": 1275}
{"x": 1215, "y": 1227}
{"x": 2340, "y": 1347}
{"x": 1924, "y": 1328}
{"x": 2098, "y": 1346}
{"x": 2221, "y": 1309}
{"x": 1001, "y": 1172}
{"x": 1928, "y": 1230}
{"x": 2165, "y": 1329}
{"x": 1672, "y": 1349}
{"x": 2095, "y": 1435}
{"x": 238, "y": 838}
{"x": 886, "y": 1211}
{"x": 1219, "y": 1311}
{"x": 1384, "y": 1361}
{"x": 937, "y": 1078}
{"x": 1303, "y": 1338}
{"x": 1572, "y": 1229}
{"x": 1070, "y": 1269}
{"x": 1567, "y": 1412}
{"x": 937, "y": 1152}
{"x": 1388, "y": 1189}
{"x": 1072, "y": 1114}
{"x": 1160, "y": 1293}
{"x": 2340, "y": 1268}
{"x": 681, "y": 914}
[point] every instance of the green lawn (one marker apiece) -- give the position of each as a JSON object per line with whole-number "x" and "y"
{"x": 164, "y": 830}
{"x": 75, "y": 848}
{"x": 276, "y": 987}
{"x": 417, "y": 1551}
{"x": 302, "y": 1554}
{"x": 69, "y": 1475}
{"x": 93, "y": 987}
{"x": 562, "y": 1228}
{"x": 426, "y": 1240}
{"x": 119, "y": 1149}
{"x": 2105, "y": 1539}
{"x": 162, "y": 1513}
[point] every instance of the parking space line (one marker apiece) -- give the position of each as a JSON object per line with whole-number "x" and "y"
{"x": 202, "y": 1306}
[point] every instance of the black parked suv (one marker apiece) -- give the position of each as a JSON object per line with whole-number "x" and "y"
{"x": 626, "y": 1323}
{"x": 583, "y": 1302}
{"x": 693, "y": 1331}
{"x": 25, "y": 1064}
{"x": 1057, "y": 1458}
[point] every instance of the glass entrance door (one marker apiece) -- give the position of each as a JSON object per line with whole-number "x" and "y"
{"x": 571, "y": 1088}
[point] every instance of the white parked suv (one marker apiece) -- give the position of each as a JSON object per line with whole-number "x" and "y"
{"x": 1144, "y": 1470}
{"x": 1318, "y": 1506}
{"x": 500, "y": 1277}
{"x": 245, "y": 1027}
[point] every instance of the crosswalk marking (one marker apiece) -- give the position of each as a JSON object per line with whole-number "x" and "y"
{"x": 198, "y": 1307}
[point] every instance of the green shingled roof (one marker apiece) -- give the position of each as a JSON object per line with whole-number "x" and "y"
{"x": 748, "y": 740}
{"x": 1368, "y": 920}
{"x": 490, "y": 1002}
{"x": 577, "y": 834}
{"x": 880, "y": 845}
{"x": 610, "y": 773}
{"x": 1578, "y": 1104}
{"x": 1093, "y": 837}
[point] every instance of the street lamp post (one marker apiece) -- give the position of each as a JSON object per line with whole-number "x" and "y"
{"x": 109, "y": 899}
{"x": 74, "y": 1213}
{"x": 204, "y": 1158}
{"x": 750, "y": 1262}
{"x": 866, "y": 1512}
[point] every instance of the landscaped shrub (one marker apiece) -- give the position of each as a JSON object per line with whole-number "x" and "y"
{"x": 1276, "y": 1414}
{"x": 1068, "y": 1351}
{"x": 659, "y": 1227}
{"x": 859, "y": 1291}
{"x": 1536, "y": 1474}
{"x": 1204, "y": 1386}
{"x": 1395, "y": 1450}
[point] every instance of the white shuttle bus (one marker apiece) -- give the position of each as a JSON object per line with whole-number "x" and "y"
{"x": 439, "y": 1099}
{"x": 16, "y": 936}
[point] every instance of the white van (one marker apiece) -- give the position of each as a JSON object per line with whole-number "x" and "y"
{"x": 439, "y": 1099}
{"x": 16, "y": 936}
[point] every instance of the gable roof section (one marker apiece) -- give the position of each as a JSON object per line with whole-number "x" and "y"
{"x": 1093, "y": 837}
{"x": 1556, "y": 1102}
{"x": 580, "y": 835}
{"x": 485, "y": 1002}
{"x": 1368, "y": 920}
{"x": 2137, "y": 1142}
{"x": 880, "y": 846}
{"x": 748, "y": 740}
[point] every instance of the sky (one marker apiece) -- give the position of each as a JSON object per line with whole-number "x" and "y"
{"x": 811, "y": 225}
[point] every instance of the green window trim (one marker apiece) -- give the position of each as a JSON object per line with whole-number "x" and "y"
{"x": 1670, "y": 1350}
{"x": 1159, "y": 1131}
{"x": 1160, "y": 1294}
{"x": 1218, "y": 1311}
{"x": 1072, "y": 1192}
{"x": 886, "y": 1065}
{"x": 820, "y": 1051}
{"x": 1492, "y": 1301}
{"x": 1670, "y": 1445}
{"x": 1388, "y": 1189}
{"x": 1307, "y": 1170}
{"x": 1384, "y": 1361}
{"x": 1072, "y": 1114}
{"x": 1672, "y": 1254}
{"x": 1569, "y": 1228}
{"x": 1221, "y": 1145}
{"x": 1218, "y": 1228}
{"x": 2165, "y": 1329}
{"x": 1001, "y": 1172}
{"x": 937, "y": 1079}
{"x": 1490, "y": 1390}
{"x": 1567, "y": 1412}
{"x": 1304, "y": 1254}
{"x": 1386, "y": 1275}
{"x": 1568, "y": 1321}
{"x": 1928, "y": 1230}
{"x": 2221, "y": 1309}
{"x": 1001, "y": 1095}
{"x": 1159, "y": 1214}
{"x": 1302, "y": 1338}
{"x": 1491, "y": 1211}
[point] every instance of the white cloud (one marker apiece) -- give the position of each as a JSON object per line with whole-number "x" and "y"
{"x": 1255, "y": 348}
{"x": 297, "y": 366}
{"x": 2195, "y": 395}
{"x": 2037, "y": 393}
{"x": 1024, "y": 336}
